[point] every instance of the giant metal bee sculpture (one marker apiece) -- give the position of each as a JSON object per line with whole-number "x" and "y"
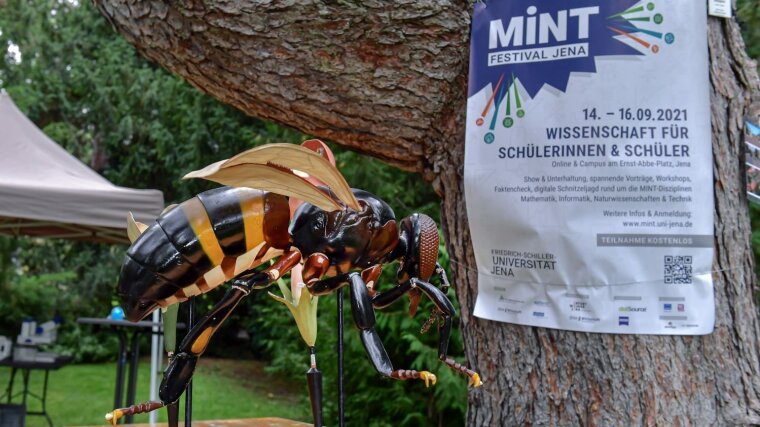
{"x": 341, "y": 236}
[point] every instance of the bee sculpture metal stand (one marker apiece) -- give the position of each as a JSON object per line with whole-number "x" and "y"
{"x": 340, "y": 236}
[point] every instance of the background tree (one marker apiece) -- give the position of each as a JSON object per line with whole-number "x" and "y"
{"x": 128, "y": 119}
{"x": 388, "y": 79}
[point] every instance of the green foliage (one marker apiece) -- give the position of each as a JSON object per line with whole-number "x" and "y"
{"x": 46, "y": 279}
{"x": 136, "y": 124}
{"x": 85, "y": 346}
{"x": 31, "y": 296}
{"x": 748, "y": 13}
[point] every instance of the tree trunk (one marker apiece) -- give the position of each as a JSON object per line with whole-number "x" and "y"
{"x": 388, "y": 78}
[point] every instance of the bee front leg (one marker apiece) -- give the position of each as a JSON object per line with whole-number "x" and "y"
{"x": 364, "y": 317}
{"x": 447, "y": 311}
{"x": 443, "y": 278}
{"x": 384, "y": 299}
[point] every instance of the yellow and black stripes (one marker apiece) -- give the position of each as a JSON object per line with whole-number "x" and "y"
{"x": 224, "y": 211}
{"x": 252, "y": 209}
{"x": 200, "y": 244}
{"x": 180, "y": 226}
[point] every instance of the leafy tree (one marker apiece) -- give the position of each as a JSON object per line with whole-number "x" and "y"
{"x": 131, "y": 121}
{"x": 748, "y": 12}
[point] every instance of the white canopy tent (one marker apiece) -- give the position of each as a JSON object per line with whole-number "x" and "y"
{"x": 45, "y": 191}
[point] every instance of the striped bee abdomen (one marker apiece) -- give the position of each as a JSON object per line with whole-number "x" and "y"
{"x": 200, "y": 244}
{"x": 154, "y": 251}
{"x": 141, "y": 288}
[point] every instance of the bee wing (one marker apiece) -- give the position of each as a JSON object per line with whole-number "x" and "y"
{"x": 134, "y": 228}
{"x": 283, "y": 169}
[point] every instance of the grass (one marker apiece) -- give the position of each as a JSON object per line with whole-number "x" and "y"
{"x": 82, "y": 394}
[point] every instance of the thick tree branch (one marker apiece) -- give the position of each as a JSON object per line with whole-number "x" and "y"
{"x": 374, "y": 75}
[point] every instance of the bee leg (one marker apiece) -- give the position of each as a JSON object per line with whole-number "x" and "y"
{"x": 281, "y": 267}
{"x": 384, "y": 299}
{"x": 390, "y": 296}
{"x": 447, "y": 311}
{"x": 326, "y": 286}
{"x": 442, "y": 276}
{"x": 364, "y": 317}
{"x": 314, "y": 267}
{"x": 370, "y": 276}
{"x": 182, "y": 365}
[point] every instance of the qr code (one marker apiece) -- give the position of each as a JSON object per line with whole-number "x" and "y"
{"x": 678, "y": 269}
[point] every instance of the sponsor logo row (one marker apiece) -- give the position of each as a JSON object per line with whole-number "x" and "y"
{"x": 668, "y": 312}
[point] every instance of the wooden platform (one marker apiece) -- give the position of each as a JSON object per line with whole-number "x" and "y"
{"x": 246, "y": 422}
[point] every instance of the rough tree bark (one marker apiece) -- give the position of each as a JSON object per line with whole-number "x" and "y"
{"x": 388, "y": 78}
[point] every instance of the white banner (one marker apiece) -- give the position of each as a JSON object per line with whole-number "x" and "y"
{"x": 588, "y": 165}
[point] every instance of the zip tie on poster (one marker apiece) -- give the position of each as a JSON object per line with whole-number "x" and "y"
{"x": 565, "y": 285}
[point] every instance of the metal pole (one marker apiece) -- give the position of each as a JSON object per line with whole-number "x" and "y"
{"x": 314, "y": 380}
{"x": 121, "y": 365}
{"x": 44, "y": 399}
{"x": 160, "y": 348}
{"x": 155, "y": 353}
{"x": 133, "y": 370}
{"x": 10, "y": 385}
{"x": 341, "y": 392}
{"x": 189, "y": 390}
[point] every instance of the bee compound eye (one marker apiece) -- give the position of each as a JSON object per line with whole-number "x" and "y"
{"x": 428, "y": 247}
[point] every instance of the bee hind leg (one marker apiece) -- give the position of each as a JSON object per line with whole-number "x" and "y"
{"x": 182, "y": 365}
{"x": 177, "y": 376}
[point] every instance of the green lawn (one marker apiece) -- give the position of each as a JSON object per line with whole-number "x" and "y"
{"x": 82, "y": 394}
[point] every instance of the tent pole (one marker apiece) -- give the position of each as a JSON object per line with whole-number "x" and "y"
{"x": 341, "y": 391}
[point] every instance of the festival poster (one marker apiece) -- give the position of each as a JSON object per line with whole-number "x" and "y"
{"x": 588, "y": 165}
